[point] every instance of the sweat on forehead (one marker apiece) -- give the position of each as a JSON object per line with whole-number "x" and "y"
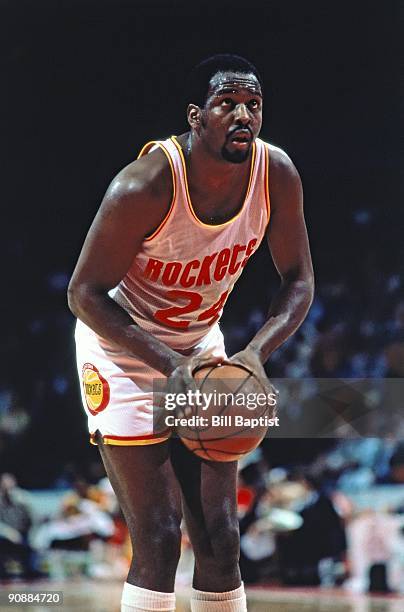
{"x": 236, "y": 79}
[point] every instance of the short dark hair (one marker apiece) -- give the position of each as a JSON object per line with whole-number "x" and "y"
{"x": 200, "y": 76}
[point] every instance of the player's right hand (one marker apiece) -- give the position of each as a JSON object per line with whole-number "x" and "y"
{"x": 181, "y": 379}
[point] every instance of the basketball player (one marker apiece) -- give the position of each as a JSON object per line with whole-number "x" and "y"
{"x": 173, "y": 234}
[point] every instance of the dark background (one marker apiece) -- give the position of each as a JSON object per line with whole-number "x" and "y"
{"x": 86, "y": 83}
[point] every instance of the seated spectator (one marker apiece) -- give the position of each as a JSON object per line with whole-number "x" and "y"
{"x": 80, "y": 520}
{"x": 373, "y": 539}
{"x": 17, "y": 558}
{"x": 322, "y": 536}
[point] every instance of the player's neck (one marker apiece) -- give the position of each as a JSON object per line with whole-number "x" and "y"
{"x": 205, "y": 171}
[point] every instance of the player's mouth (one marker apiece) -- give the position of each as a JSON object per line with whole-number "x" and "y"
{"x": 241, "y": 139}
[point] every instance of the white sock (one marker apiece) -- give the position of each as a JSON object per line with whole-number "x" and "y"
{"x": 231, "y": 601}
{"x": 136, "y": 599}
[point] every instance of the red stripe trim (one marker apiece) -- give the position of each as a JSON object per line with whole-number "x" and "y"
{"x": 147, "y": 437}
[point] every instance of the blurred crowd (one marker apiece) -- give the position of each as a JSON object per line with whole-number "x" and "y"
{"x": 337, "y": 521}
{"x": 81, "y": 533}
{"x": 301, "y": 524}
{"x": 350, "y": 332}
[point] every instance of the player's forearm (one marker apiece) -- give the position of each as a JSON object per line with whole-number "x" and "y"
{"x": 287, "y": 312}
{"x": 103, "y": 315}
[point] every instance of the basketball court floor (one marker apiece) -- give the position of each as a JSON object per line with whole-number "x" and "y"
{"x": 94, "y": 596}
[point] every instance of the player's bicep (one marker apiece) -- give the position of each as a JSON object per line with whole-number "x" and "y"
{"x": 287, "y": 233}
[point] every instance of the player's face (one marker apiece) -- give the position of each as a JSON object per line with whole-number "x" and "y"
{"x": 232, "y": 116}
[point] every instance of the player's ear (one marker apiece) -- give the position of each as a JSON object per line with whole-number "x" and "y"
{"x": 194, "y": 116}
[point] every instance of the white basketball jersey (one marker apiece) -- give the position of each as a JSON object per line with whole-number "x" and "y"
{"x": 179, "y": 281}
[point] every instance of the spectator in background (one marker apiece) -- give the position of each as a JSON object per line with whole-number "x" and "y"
{"x": 255, "y": 548}
{"x": 321, "y": 537}
{"x": 397, "y": 464}
{"x": 16, "y": 556}
{"x": 81, "y": 519}
{"x": 373, "y": 539}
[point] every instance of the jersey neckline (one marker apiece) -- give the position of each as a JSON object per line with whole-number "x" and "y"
{"x": 189, "y": 202}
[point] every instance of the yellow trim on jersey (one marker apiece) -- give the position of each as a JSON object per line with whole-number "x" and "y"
{"x": 267, "y": 198}
{"x": 143, "y": 152}
{"x": 174, "y": 139}
{"x": 146, "y": 148}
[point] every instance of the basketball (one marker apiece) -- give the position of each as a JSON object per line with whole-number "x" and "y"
{"x": 237, "y": 416}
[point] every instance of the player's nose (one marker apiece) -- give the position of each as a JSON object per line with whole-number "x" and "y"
{"x": 241, "y": 114}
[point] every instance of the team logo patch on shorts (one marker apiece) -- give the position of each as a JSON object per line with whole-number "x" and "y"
{"x": 96, "y": 389}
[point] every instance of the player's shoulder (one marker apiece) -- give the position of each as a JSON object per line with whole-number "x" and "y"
{"x": 283, "y": 179}
{"x": 143, "y": 188}
{"x": 279, "y": 161}
{"x": 149, "y": 176}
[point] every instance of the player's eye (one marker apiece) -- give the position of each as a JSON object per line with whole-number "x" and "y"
{"x": 254, "y": 104}
{"x": 227, "y": 102}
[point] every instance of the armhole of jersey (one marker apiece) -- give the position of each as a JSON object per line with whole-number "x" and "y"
{"x": 267, "y": 198}
{"x": 145, "y": 150}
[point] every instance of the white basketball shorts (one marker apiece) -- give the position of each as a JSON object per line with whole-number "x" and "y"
{"x": 116, "y": 388}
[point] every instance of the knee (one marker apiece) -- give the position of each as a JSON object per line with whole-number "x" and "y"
{"x": 157, "y": 540}
{"x": 226, "y": 546}
{"x": 222, "y": 546}
{"x": 165, "y": 543}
